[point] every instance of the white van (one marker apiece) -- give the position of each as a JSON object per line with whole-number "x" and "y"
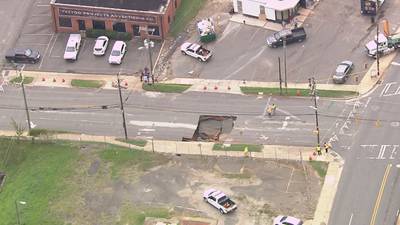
{"x": 72, "y": 48}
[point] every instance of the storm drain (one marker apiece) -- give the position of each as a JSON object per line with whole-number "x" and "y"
{"x": 211, "y": 128}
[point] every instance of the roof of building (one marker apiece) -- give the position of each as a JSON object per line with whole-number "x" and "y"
{"x": 279, "y": 5}
{"x": 141, "y": 5}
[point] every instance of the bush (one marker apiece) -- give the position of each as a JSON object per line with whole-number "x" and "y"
{"x": 94, "y": 33}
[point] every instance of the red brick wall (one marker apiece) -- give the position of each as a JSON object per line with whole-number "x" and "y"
{"x": 170, "y": 11}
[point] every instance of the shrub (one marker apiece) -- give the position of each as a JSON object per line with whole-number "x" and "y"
{"x": 94, "y": 33}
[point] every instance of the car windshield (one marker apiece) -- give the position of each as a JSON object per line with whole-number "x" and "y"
{"x": 70, "y": 49}
{"x": 115, "y": 53}
{"x": 28, "y": 52}
{"x": 341, "y": 69}
{"x": 222, "y": 199}
{"x": 98, "y": 49}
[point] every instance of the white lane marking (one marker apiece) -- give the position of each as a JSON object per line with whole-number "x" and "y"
{"x": 162, "y": 124}
{"x": 368, "y": 100}
{"x": 285, "y": 123}
{"x": 147, "y": 130}
{"x": 266, "y": 106}
{"x": 386, "y": 88}
{"x": 45, "y": 51}
{"x": 351, "y": 219}
{"x": 395, "y": 64}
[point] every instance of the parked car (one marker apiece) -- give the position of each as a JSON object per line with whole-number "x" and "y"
{"x": 117, "y": 53}
{"x": 73, "y": 46}
{"x": 100, "y": 46}
{"x": 291, "y": 36}
{"x": 22, "y": 55}
{"x": 219, "y": 200}
{"x": 342, "y": 72}
{"x": 196, "y": 51}
{"x": 287, "y": 220}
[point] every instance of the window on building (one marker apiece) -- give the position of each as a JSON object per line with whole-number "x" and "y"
{"x": 136, "y": 30}
{"x": 285, "y": 15}
{"x": 98, "y": 24}
{"x": 278, "y": 15}
{"x": 64, "y": 22}
{"x": 119, "y": 27}
{"x": 153, "y": 30}
{"x": 169, "y": 19}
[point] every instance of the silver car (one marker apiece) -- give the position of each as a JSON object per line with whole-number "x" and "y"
{"x": 342, "y": 72}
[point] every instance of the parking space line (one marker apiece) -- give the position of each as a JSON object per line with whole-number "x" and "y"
{"x": 51, "y": 34}
{"x": 29, "y": 43}
{"x": 45, "y": 51}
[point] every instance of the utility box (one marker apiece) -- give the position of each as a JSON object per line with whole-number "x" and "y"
{"x": 370, "y": 7}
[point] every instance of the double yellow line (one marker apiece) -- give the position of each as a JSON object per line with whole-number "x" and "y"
{"x": 380, "y": 194}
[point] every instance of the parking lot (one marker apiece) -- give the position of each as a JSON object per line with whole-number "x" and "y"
{"x": 335, "y": 32}
{"x": 37, "y": 34}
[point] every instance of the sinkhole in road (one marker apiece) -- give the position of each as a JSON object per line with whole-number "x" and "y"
{"x": 212, "y": 128}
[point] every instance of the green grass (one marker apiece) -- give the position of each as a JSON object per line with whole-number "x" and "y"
{"x": 35, "y": 174}
{"x": 297, "y": 92}
{"x": 185, "y": 13}
{"x": 168, "y": 88}
{"x": 35, "y": 132}
{"x": 238, "y": 147}
{"x": 136, "y": 142}
{"x": 121, "y": 158}
{"x": 17, "y": 80}
{"x": 136, "y": 215}
{"x": 87, "y": 83}
{"x": 320, "y": 167}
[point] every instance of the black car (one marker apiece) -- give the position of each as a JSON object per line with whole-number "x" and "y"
{"x": 23, "y": 55}
{"x": 290, "y": 36}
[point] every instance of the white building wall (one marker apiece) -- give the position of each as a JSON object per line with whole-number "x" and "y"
{"x": 270, "y": 13}
{"x": 235, "y": 6}
{"x": 251, "y": 8}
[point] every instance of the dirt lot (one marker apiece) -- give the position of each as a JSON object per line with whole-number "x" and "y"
{"x": 112, "y": 186}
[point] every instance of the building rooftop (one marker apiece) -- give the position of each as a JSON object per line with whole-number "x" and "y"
{"x": 279, "y": 5}
{"x": 141, "y": 5}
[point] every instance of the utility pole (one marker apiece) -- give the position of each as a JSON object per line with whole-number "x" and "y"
{"x": 122, "y": 108}
{"x": 284, "y": 57}
{"x": 24, "y": 94}
{"x": 313, "y": 93}
{"x": 280, "y": 76}
{"x": 377, "y": 41}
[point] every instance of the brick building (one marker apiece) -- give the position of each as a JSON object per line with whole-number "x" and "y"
{"x": 142, "y": 18}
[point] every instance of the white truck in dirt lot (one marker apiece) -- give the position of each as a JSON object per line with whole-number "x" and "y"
{"x": 219, "y": 200}
{"x": 196, "y": 51}
{"x": 386, "y": 45}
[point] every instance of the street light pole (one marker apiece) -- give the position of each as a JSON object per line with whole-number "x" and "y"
{"x": 25, "y": 101}
{"x": 122, "y": 108}
{"x": 313, "y": 93}
{"x": 150, "y": 44}
{"x": 284, "y": 58}
{"x": 377, "y": 41}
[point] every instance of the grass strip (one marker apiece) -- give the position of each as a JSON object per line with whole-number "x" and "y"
{"x": 35, "y": 132}
{"x": 167, "y": 88}
{"x": 185, "y": 13}
{"x": 320, "y": 167}
{"x": 297, "y": 92}
{"x": 87, "y": 83}
{"x": 137, "y": 142}
{"x": 137, "y": 215}
{"x": 17, "y": 80}
{"x": 238, "y": 147}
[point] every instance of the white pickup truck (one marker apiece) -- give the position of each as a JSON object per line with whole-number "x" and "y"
{"x": 196, "y": 51}
{"x": 219, "y": 200}
{"x": 73, "y": 46}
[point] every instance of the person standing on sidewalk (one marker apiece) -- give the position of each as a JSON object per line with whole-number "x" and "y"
{"x": 326, "y": 147}
{"x": 319, "y": 150}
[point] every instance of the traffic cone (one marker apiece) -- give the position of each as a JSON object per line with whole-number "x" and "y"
{"x": 54, "y": 80}
{"x": 63, "y": 80}
{"x": 229, "y": 88}
{"x": 205, "y": 88}
{"x": 43, "y": 79}
{"x": 215, "y": 87}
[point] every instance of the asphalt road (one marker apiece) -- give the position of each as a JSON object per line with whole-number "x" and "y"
{"x": 369, "y": 187}
{"x": 172, "y": 116}
{"x": 13, "y": 15}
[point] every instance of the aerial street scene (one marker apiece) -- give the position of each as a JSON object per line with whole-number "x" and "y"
{"x": 200, "y": 112}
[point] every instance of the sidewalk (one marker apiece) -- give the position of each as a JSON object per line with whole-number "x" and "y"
{"x": 273, "y": 152}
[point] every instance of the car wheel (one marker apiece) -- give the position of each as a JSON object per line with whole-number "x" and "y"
{"x": 222, "y": 211}
{"x": 183, "y": 52}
